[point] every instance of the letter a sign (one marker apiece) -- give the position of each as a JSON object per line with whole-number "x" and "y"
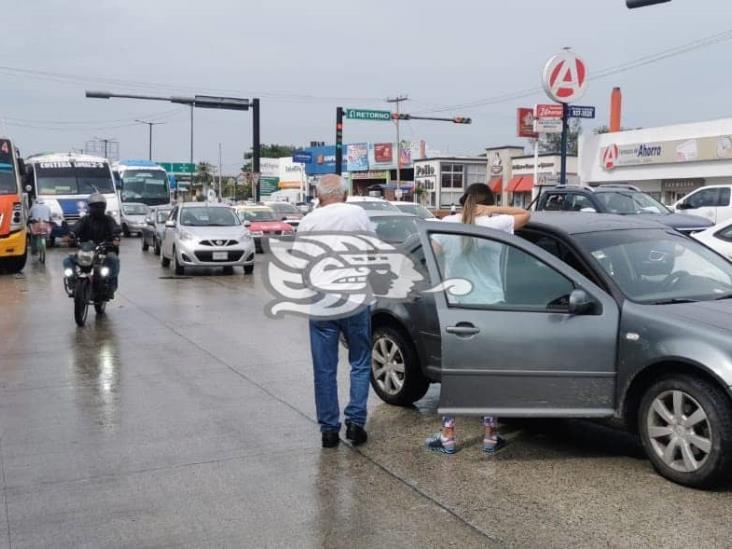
{"x": 565, "y": 77}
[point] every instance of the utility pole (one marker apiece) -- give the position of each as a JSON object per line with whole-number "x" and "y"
{"x": 397, "y": 100}
{"x": 257, "y": 148}
{"x": 193, "y": 170}
{"x": 149, "y": 142}
{"x": 220, "y": 195}
{"x": 339, "y": 141}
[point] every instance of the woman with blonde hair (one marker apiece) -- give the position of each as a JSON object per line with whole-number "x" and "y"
{"x": 478, "y": 209}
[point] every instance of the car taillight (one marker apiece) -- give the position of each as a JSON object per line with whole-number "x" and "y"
{"x": 16, "y": 218}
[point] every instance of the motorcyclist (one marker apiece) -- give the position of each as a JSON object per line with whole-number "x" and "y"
{"x": 98, "y": 227}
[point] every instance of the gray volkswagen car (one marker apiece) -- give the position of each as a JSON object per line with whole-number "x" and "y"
{"x": 579, "y": 316}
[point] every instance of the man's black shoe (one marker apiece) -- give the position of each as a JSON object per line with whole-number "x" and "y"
{"x": 330, "y": 439}
{"x": 356, "y": 434}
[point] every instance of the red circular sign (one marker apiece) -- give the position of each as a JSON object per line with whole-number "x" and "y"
{"x": 565, "y": 77}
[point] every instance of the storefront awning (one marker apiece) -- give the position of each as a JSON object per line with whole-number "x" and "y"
{"x": 521, "y": 184}
{"x": 496, "y": 184}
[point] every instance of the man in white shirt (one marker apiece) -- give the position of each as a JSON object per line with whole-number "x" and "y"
{"x": 334, "y": 215}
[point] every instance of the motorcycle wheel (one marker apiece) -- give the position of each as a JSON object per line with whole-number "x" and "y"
{"x": 100, "y": 307}
{"x": 42, "y": 249}
{"x": 81, "y": 301}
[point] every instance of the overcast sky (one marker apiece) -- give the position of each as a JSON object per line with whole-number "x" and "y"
{"x": 305, "y": 58}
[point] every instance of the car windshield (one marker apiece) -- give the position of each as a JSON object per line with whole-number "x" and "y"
{"x": 375, "y": 205}
{"x": 657, "y": 266}
{"x": 285, "y": 208}
{"x": 162, "y": 215}
{"x": 630, "y": 202}
{"x": 59, "y": 178}
{"x": 257, "y": 215}
{"x": 415, "y": 209}
{"x": 135, "y": 209}
{"x": 204, "y": 216}
{"x": 394, "y": 229}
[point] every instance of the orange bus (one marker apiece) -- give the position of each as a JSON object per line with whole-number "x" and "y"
{"x": 13, "y": 211}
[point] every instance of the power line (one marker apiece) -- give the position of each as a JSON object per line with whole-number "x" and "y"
{"x": 153, "y": 116}
{"x": 604, "y": 73}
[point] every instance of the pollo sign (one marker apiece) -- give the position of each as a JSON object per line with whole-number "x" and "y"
{"x": 565, "y": 77}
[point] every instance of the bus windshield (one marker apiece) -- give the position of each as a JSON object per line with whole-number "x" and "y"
{"x": 146, "y": 186}
{"x": 83, "y": 178}
{"x": 8, "y": 183}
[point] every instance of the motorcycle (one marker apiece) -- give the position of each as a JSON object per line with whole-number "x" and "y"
{"x": 88, "y": 281}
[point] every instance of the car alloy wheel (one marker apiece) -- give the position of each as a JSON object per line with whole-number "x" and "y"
{"x": 679, "y": 431}
{"x": 388, "y": 365}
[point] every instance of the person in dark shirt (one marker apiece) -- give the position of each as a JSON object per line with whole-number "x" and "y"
{"x": 98, "y": 227}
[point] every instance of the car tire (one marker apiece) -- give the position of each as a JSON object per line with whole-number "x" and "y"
{"x": 145, "y": 245}
{"x": 156, "y": 247}
{"x": 125, "y": 230}
{"x": 248, "y": 269}
{"x": 178, "y": 269}
{"x": 697, "y": 454}
{"x": 399, "y": 381}
{"x": 164, "y": 261}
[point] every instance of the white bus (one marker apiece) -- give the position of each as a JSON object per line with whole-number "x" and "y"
{"x": 142, "y": 181}
{"x": 65, "y": 181}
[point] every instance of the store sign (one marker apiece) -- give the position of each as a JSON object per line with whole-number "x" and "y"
{"x": 379, "y": 174}
{"x": 525, "y": 123}
{"x": 383, "y": 153}
{"x": 303, "y": 157}
{"x": 358, "y": 157}
{"x": 565, "y": 77}
{"x": 548, "y": 118}
{"x": 578, "y": 111}
{"x": 424, "y": 171}
{"x": 703, "y": 149}
{"x": 365, "y": 114}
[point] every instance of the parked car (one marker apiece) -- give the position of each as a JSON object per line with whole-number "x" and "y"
{"x": 152, "y": 232}
{"x": 711, "y": 202}
{"x": 287, "y": 212}
{"x": 206, "y": 235}
{"x": 263, "y": 223}
{"x": 133, "y": 217}
{"x": 414, "y": 209}
{"x": 617, "y": 199}
{"x": 600, "y": 317}
{"x": 393, "y": 228}
{"x": 718, "y": 238}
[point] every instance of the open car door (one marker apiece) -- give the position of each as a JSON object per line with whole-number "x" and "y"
{"x": 531, "y": 338}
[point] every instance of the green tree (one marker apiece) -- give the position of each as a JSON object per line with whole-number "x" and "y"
{"x": 268, "y": 151}
{"x": 551, "y": 143}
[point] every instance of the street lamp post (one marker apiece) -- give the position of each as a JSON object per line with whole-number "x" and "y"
{"x": 149, "y": 142}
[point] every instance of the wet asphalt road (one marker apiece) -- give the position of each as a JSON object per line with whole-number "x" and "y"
{"x": 185, "y": 417}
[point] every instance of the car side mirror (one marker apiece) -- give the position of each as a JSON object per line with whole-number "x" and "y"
{"x": 580, "y": 302}
{"x": 683, "y": 206}
{"x": 21, "y": 167}
{"x": 151, "y": 222}
{"x": 170, "y": 223}
{"x": 247, "y": 223}
{"x": 29, "y": 188}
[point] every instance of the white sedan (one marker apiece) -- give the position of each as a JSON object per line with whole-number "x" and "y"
{"x": 719, "y": 238}
{"x": 206, "y": 235}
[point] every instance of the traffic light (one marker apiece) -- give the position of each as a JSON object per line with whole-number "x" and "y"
{"x": 632, "y": 4}
{"x": 461, "y": 120}
{"x": 400, "y": 116}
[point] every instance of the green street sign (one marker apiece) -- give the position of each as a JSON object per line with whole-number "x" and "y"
{"x": 268, "y": 185}
{"x": 364, "y": 114}
{"x": 178, "y": 167}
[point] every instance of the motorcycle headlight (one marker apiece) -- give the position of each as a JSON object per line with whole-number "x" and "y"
{"x": 85, "y": 259}
{"x": 104, "y": 271}
{"x": 68, "y": 272}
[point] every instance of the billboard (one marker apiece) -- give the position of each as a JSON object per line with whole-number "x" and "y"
{"x": 358, "y": 157}
{"x": 383, "y": 153}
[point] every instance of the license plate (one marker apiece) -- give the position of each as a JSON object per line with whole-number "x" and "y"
{"x": 220, "y": 256}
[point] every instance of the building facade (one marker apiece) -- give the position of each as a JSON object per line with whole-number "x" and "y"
{"x": 666, "y": 162}
{"x": 443, "y": 180}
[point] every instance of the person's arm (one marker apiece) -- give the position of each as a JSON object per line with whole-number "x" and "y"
{"x": 115, "y": 230}
{"x": 78, "y": 231}
{"x": 520, "y": 216}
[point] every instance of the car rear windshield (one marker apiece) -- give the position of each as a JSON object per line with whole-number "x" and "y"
{"x": 395, "y": 229}
{"x": 257, "y": 215}
{"x": 202, "y": 216}
{"x": 285, "y": 208}
{"x": 658, "y": 266}
{"x": 630, "y": 202}
{"x": 415, "y": 209}
{"x": 375, "y": 205}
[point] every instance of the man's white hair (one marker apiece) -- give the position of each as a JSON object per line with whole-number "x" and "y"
{"x": 331, "y": 186}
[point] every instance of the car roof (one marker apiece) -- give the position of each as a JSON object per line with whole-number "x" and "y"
{"x": 384, "y": 213}
{"x": 364, "y": 199}
{"x": 582, "y": 223}
{"x": 134, "y": 204}
{"x": 253, "y": 208}
{"x": 204, "y": 204}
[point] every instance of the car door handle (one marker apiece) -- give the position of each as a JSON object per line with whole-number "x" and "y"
{"x": 463, "y": 329}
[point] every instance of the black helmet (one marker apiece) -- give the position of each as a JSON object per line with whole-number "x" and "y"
{"x": 97, "y": 198}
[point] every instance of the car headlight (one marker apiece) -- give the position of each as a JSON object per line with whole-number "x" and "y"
{"x": 183, "y": 235}
{"x": 288, "y": 233}
{"x": 85, "y": 259}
